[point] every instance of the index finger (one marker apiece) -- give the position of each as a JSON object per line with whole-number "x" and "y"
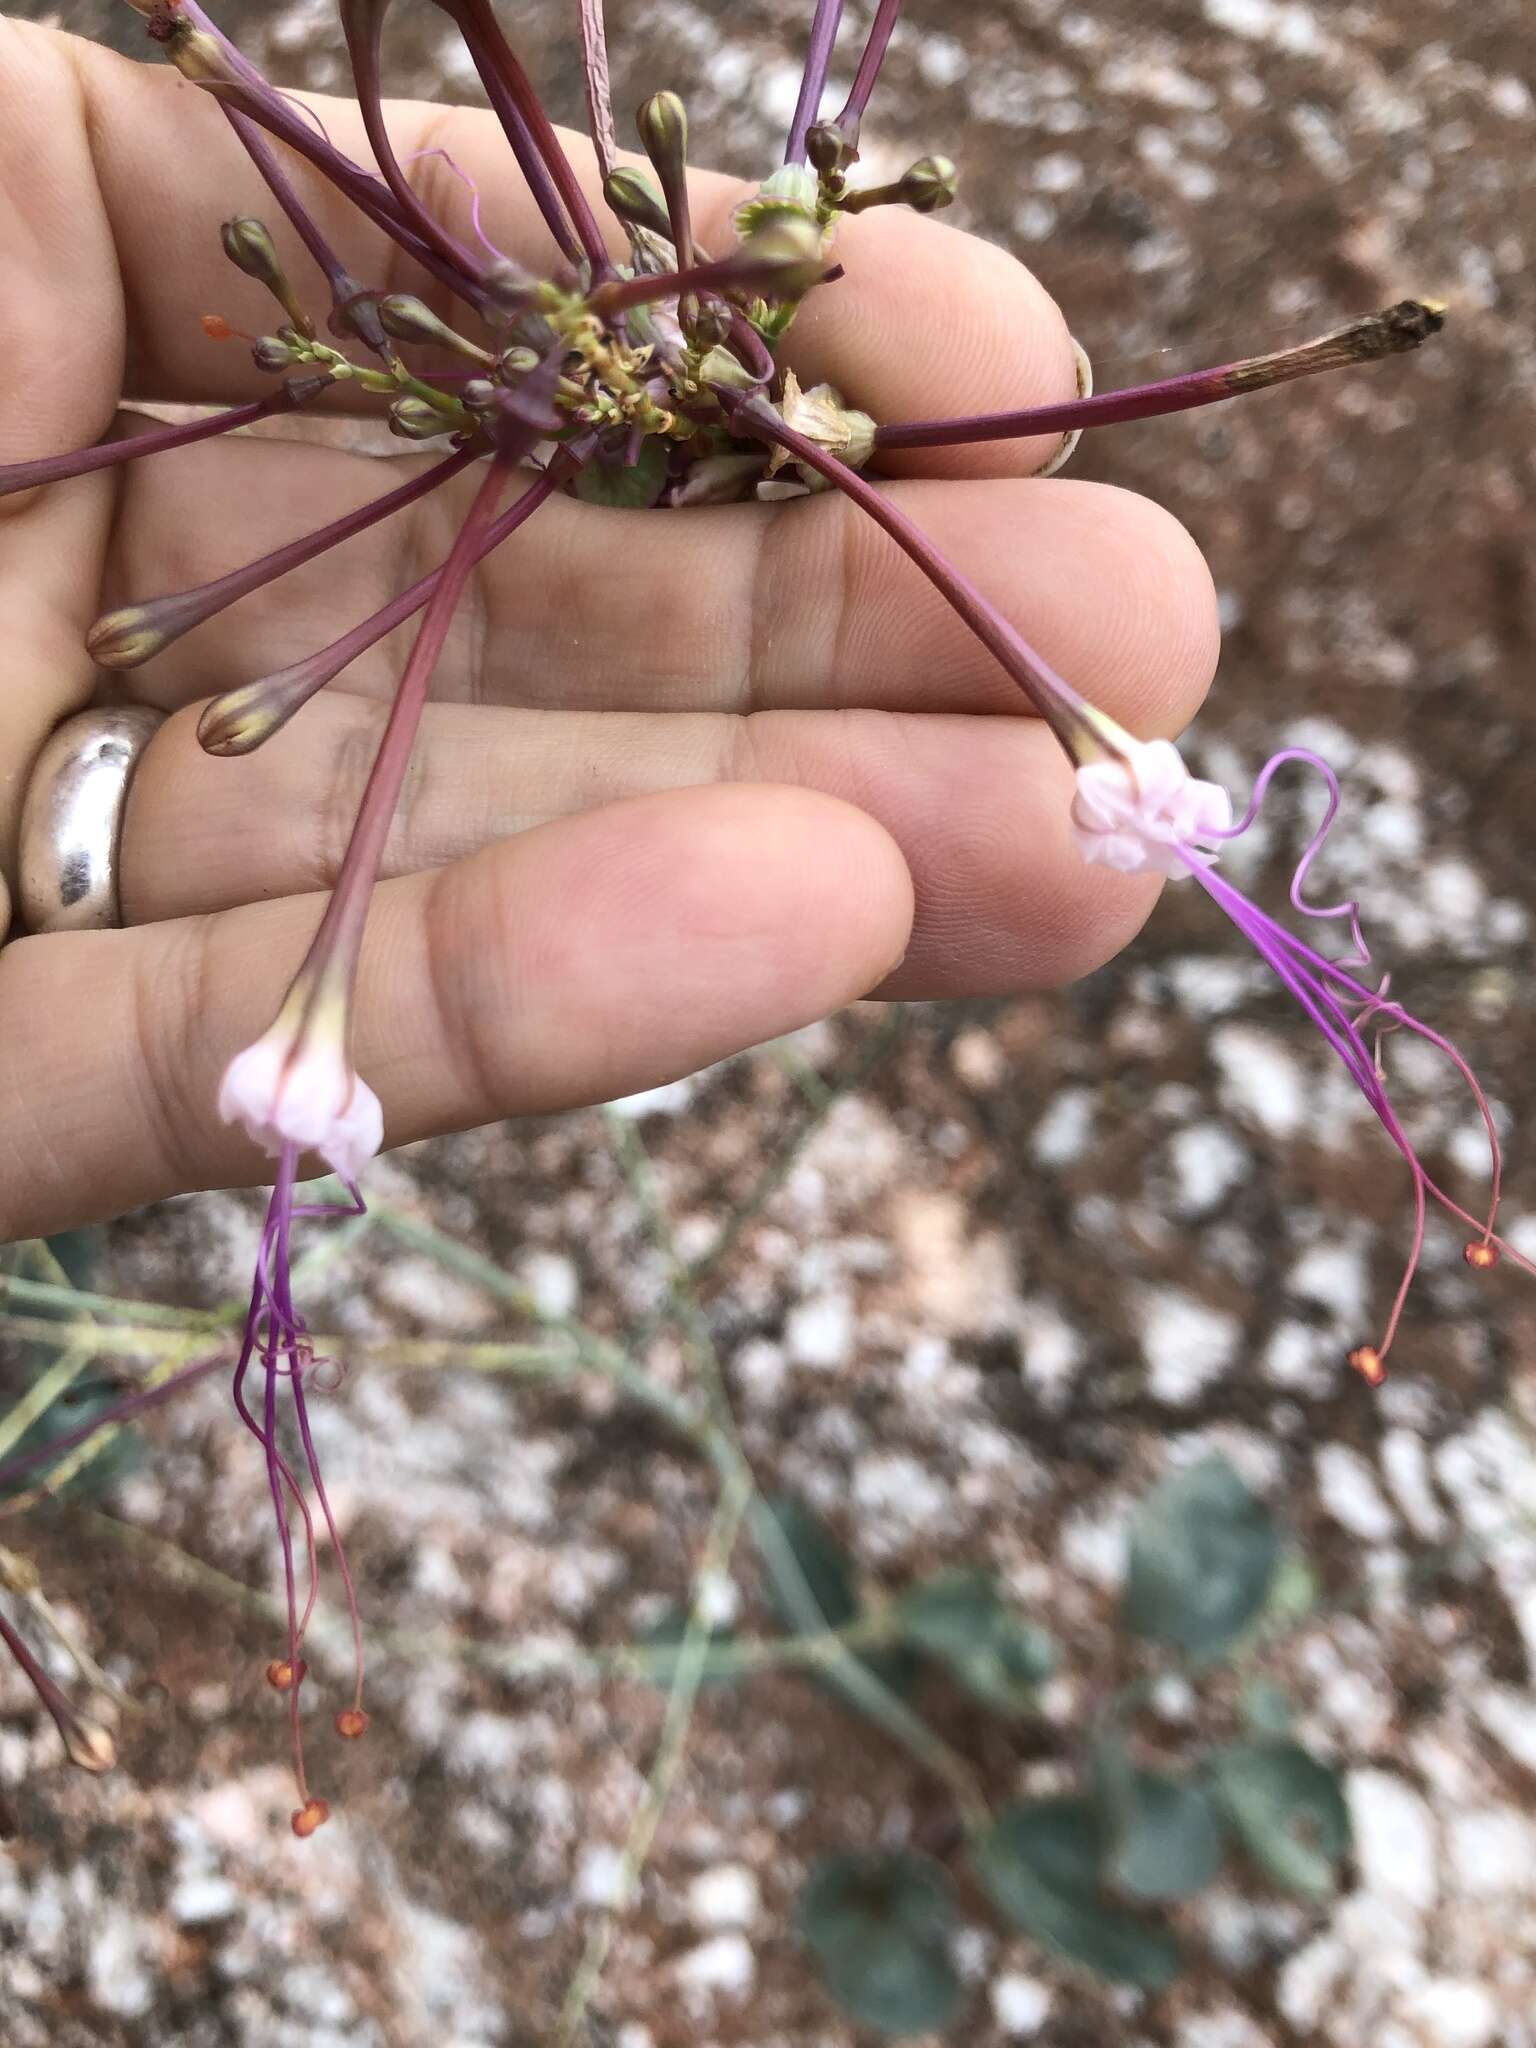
{"x": 924, "y": 312}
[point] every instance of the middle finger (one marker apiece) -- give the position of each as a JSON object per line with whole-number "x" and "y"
{"x": 737, "y": 608}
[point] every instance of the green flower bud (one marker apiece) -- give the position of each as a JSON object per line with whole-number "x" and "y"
{"x": 710, "y": 325}
{"x": 408, "y": 319}
{"x": 929, "y": 184}
{"x": 792, "y": 191}
{"x": 662, "y": 122}
{"x": 478, "y": 395}
{"x": 414, "y": 420}
{"x": 828, "y": 148}
{"x": 517, "y": 362}
{"x": 124, "y": 638}
{"x": 635, "y": 200}
{"x": 271, "y": 352}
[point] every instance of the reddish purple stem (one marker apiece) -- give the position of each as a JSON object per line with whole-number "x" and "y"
{"x": 1052, "y": 696}
{"x": 180, "y": 611}
{"x": 813, "y": 80}
{"x": 53, "y": 469}
{"x": 869, "y": 69}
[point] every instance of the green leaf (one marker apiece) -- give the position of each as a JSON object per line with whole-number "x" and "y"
{"x": 78, "y": 1252}
{"x": 879, "y": 1927}
{"x": 1266, "y": 1710}
{"x": 963, "y": 1621}
{"x": 1203, "y": 1555}
{"x": 1040, "y": 1863}
{"x": 631, "y": 487}
{"x": 832, "y": 1586}
{"x": 1169, "y": 1845}
{"x": 1288, "y": 1811}
{"x": 824, "y": 1564}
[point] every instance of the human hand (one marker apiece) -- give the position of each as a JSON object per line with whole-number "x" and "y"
{"x": 694, "y": 779}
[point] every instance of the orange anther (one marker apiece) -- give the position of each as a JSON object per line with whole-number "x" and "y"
{"x": 1366, "y": 1360}
{"x": 351, "y": 1723}
{"x": 1480, "y": 1255}
{"x": 280, "y": 1673}
{"x": 216, "y": 327}
{"x": 314, "y": 1813}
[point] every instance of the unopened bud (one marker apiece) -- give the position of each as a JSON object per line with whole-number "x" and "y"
{"x": 791, "y": 192}
{"x": 270, "y": 352}
{"x": 785, "y": 253}
{"x": 408, "y": 319}
{"x": 478, "y": 395}
{"x": 124, "y": 638}
{"x": 509, "y": 289}
{"x": 414, "y": 420}
{"x": 710, "y": 325}
{"x": 251, "y": 249}
{"x": 351, "y": 1723}
{"x": 88, "y": 1745}
{"x": 930, "y": 184}
{"x": 314, "y": 1813}
{"x": 632, "y": 196}
{"x": 662, "y": 123}
{"x": 518, "y": 361}
{"x": 828, "y": 147}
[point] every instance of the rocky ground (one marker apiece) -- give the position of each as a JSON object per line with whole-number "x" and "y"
{"x": 1036, "y": 1252}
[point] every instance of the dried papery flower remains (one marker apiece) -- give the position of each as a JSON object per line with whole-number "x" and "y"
{"x": 655, "y": 382}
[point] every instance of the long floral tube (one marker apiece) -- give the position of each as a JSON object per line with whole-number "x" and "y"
{"x": 1068, "y": 714}
{"x": 86, "y": 1744}
{"x": 509, "y": 88}
{"x": 54, "y": 469}
{"x": 362, "y": 23}
{"x": 1400, "y": 328}
{"x": 133, "y": 634}
{"x": 824, "y": 26}
{"x": 280, "y": 185}
{"x": 847, "y": 122}
{"x": 243, "y": 718}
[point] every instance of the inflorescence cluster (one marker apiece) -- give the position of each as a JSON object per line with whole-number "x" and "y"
{"x": 647, "y": 381}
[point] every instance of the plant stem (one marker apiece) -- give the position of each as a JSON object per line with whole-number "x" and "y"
{"x": 1058, "y": 704}
{"x": 1393, "y": 332}
{"x": 52, "y": 469}
{"x": 824, "y": 26}
{"x": 869, "y": 69}
{"x": 141, "y": 630}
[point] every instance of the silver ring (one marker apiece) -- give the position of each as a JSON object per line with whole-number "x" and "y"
{"x": 72, "y": 819}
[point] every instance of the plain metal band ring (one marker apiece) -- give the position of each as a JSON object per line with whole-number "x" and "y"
{"x": 72, "y": 819}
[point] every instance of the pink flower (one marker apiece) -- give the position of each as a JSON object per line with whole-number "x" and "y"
{"x": 300, "y": 1089}
{"x": 1142, "y": 812}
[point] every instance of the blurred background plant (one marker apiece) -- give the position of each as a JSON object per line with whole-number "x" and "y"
{"x": 977, "y": 1282}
